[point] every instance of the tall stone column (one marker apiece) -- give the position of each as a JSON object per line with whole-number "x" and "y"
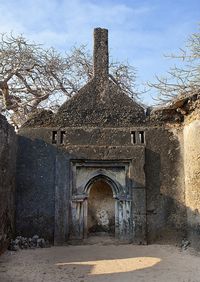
{"x": 100, "y": 53}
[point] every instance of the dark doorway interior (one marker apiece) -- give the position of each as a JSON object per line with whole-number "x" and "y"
{"x": 101, "y": 209}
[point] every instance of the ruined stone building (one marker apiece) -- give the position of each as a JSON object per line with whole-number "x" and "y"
{"x": 103, "y": 163}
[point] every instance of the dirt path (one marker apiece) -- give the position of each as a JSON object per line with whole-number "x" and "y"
{"x": 95, "y": 263}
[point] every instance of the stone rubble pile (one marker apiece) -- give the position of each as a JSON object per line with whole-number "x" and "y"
{"x": 28, "y": 243}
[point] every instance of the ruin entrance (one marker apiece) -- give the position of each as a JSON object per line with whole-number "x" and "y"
{"x": 101, "y": 209}
{"x": 101, "y": 200}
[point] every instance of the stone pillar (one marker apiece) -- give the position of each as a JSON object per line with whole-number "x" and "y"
{"x": 100, "y": 53}
{"x": 79, "y": 213}
{"x": 77, "y": 210}
{"x": 124, "y": 220}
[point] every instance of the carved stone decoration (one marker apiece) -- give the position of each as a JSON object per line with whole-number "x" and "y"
{"x": 116, "y": 176}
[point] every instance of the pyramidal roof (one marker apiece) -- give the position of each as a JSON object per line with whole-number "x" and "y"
{"x": 100, "y": 102}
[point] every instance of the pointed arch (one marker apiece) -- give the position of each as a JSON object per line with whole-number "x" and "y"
{"x": 114, "y": 186}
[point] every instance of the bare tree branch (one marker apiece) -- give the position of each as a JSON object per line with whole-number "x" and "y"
{"x": 184, "y": 79}
{"x": 32, "y": 77}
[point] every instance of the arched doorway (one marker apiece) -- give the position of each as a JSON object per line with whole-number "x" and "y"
{"x": 101, "y": 208}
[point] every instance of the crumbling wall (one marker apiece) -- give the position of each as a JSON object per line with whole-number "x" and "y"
{"x": 7, "y": 181}
{"x": 50, "y": 192}
{"x": 192, "y": 180}
{"x": 102, "y": 123}
{"x": 164, "y": 169}
{"x": 166, "y": 215}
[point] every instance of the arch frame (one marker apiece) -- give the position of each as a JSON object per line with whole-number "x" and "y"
{"x": 84, "y": 175}
{"x": 120, "y": 202}
{"x": 102, "y": 177}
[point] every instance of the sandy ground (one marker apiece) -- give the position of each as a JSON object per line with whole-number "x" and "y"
{"x": 100, "y": 262}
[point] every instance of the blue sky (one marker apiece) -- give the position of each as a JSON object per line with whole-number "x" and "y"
{"x": 139, "y": 31}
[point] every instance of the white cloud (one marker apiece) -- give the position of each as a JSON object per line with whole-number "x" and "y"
{"x": 73, "y": 19}
{"x": 140, "y": 31}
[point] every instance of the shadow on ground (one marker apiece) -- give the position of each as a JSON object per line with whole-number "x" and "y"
{"x": 104, "y": 263}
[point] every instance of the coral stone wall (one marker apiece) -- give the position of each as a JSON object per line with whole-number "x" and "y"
{"x": 192, "y": 180}
{"x": 7, "y": 181}
{"x": 35, "y": 188}
{"x": 164, "y": 169}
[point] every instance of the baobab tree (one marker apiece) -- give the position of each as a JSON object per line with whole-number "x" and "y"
{"x": 32, "y": 77}
{"x": 185, "y": 78}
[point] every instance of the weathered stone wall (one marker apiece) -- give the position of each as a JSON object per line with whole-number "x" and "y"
{"x": 96, "y": 104}
{"x": 164, "y": 169}
{"x": 7, "y": 181}
{"x": 192, "y": 180}
{"x": 44, "y": 175}
{"x": 101, "y": 126}
{"x": 164, "y": 193}
{"x": 35, "y": 190}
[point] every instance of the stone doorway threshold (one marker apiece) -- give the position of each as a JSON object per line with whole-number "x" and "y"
{"x": 100, "y": 238}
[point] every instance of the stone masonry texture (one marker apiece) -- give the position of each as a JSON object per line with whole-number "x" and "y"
{"x": 147, "y": 158}
{"x": 8, "y": 145}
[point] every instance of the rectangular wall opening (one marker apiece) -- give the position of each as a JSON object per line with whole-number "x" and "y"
{"x": 133, "y": 137}
{"x": 54, "y": 137}
{"x": 141, "y": 137}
